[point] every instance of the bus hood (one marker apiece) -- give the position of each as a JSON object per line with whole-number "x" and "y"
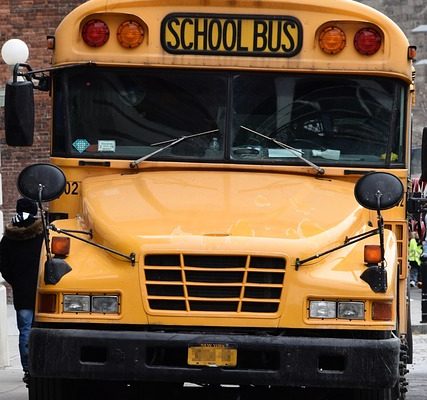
{"x": 129, "y": 210}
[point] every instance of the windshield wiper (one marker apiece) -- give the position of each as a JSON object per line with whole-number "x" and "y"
{"x": 169, "y": 143}
{"x": 298, "y": 153}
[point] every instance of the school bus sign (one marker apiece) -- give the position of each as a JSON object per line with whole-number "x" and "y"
{"x": 234, "y": 35}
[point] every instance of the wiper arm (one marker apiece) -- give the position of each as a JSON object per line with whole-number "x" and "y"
{"x": 169, "y": 143}
{"x": 298, "y": 153}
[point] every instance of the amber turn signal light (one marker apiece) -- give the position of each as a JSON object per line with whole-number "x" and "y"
{"x": 47, "y": 303}
{"x": 382, "y": 311}
{"x": 50, "y": 42}
{"x": 372, "y": 254}
{"x": 412, "y": 52}
{"x": 60, "y": 246}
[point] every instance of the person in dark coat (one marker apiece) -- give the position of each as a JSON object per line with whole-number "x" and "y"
{"x": 19, "y": 263}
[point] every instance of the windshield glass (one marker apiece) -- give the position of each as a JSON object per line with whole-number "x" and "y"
{"x": 241, "y": 117}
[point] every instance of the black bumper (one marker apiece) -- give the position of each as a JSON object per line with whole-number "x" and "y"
{"x": 262, "y": 360}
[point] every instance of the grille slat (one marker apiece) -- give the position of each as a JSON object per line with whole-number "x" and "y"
{"x": 214, "y": 283}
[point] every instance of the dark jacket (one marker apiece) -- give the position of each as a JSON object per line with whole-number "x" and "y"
{"x": 19, "y": 261}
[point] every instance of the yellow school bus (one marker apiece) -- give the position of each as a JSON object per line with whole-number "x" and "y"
{"x": 234, "y": 178}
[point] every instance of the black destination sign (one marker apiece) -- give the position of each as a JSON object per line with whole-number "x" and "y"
{"x": 233, "y": 35}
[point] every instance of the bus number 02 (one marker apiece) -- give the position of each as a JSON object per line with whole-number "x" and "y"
{"x": 72, "y": 188}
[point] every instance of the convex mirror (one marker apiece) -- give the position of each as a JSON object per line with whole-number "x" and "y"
{"x": 378, "y": 191}
{"x": 43, "y": 182}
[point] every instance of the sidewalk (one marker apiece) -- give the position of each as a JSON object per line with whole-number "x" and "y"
{"x": 12, "y": 387}
{"x": 417, "y": 326}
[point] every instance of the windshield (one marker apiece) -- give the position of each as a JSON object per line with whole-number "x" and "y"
{"x": 259, "y": 118}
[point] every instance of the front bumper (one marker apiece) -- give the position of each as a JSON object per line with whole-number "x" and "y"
{"x": 262, "y": 359}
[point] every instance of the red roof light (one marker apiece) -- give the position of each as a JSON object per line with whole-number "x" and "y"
{"x": 367, "y": 41}
{"x": 95, "y": 33}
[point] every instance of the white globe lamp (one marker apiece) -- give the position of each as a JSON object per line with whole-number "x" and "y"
{"x": 14, "y": 51}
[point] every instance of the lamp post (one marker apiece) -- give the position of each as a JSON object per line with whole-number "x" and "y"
{"x": 13, "y": 52}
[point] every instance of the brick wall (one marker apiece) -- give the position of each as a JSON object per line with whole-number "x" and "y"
{"x": 33, "y": 20}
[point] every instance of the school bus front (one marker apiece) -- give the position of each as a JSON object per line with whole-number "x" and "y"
{"x": 217, "y": 270}
{"x": 233, "y": 199}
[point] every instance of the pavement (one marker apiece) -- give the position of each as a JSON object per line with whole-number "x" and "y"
{"x": 418, "y": 327}
{"x": 12, "y": 387}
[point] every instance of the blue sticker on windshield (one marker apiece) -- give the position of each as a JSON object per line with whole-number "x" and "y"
{"x": 81, "y": 145}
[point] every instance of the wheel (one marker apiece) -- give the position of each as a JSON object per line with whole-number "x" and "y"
{"x": 160, "y": 390}
{"x": 375, "y": 394}
{"x": 46, "y": 389}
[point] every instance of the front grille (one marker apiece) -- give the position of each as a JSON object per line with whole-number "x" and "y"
{"x": 214, "y": 283}
{"x": 400, "y": 230}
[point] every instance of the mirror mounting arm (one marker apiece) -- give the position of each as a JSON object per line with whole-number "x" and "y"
{"x": 44, "y": 222}
{"x": 380, "y": 220}
{"x": 17, "y": 73}
{"x": 40, "y": 75}
{"x": 347, "y": 242}
{"x": 39, "y": 81}
{"x": 130, "y": 257}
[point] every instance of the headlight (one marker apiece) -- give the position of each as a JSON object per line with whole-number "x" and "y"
{"x": 351, "y": 310}
{"x": 323, "y": 309}
{"x": 76, "y": 303}
{"x": 105, "y": 304}
{"x": 337, "y": 309}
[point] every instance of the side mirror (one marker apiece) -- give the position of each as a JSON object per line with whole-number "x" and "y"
{"x": 378, "y": 191}
{"x": 41, "y": 182}
{"x": 45, "y": 182}
{"x": 423, "y": 177}
{"x": 19, "y": 113}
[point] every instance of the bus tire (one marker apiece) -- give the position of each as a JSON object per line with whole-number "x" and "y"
{"x": 375, "y": 394}
{"x": 45, "y": 389}
{"x": 396, "y": 393}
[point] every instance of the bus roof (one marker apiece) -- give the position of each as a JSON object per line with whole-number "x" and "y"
{"x": 191, "y": 33}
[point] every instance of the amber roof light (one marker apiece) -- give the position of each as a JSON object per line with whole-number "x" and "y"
{"x": 332, "y": 40}
{"x": 130, "y": 34}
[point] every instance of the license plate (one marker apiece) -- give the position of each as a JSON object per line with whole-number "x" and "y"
{"x": 214, "y": 355}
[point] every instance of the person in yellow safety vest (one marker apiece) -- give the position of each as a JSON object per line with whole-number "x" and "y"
{"x": 414, "y": 256}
